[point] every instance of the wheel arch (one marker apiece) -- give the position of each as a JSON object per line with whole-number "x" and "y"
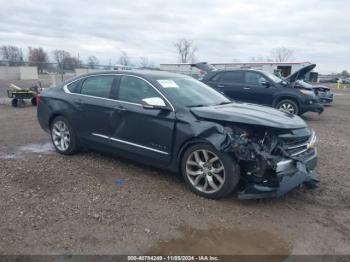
{"x": 286, "y": 97}
{"x": 185, "y": 145}
{"x": 57, "y": 114}
{"x": 192, "y": 141}
{"x": 53, "y": 116}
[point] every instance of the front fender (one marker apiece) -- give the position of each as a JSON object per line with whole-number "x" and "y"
{"x": 203, "y": 132}
{"x": 285, "y": 96}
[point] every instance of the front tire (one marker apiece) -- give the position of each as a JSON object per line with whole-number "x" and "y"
{"x": 209, "y": 172}
{"x": 288, "y": 106}
{"x": 63, "y": 136}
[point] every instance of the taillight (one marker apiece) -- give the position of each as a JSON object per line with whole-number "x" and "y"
{"x": 37, "y": 99}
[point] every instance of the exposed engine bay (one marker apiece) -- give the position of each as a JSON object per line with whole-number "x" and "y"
{"x": 268, "y": 157}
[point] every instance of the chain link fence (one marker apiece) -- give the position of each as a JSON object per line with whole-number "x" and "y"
{"x": 58, "y": 72}
{"x": 43, "y": 74}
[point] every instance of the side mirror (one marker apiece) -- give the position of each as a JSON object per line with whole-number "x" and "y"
{"x": 265, "y": 83}
{"x": 284, "y": 83}
{"x": 154, "y": 103}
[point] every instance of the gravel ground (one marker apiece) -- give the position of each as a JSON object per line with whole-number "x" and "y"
{"x": 53, "y": 204}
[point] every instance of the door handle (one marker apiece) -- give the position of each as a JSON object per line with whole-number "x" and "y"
{"x": 119, "y": 109}
{"x": 246, "y": 88}
{"x": 79, "y": 101}
{"x": 220, "y": 86}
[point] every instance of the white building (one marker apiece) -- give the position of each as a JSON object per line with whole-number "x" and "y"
{"x": 18, "y": 72}
{"x": 284, "y": 68}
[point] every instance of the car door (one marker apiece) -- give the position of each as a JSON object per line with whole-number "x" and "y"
{"x": 257, "y": 89}
{"x": 95, "y": 106}
{"x": 142, "y": 131}
{"x": 230, "y": 83}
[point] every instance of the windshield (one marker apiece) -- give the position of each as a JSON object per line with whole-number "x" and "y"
{"x": 191, "y": 93}
{"x": 274, "y": 78}
{"x": 304, "y": 84}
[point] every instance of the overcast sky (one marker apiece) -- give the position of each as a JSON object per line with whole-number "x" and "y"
{"x": 318, "y": 31}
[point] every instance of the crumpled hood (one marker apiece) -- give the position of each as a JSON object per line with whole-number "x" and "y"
{"x": 250, "y": 114}
{"x": 321, "y": 87}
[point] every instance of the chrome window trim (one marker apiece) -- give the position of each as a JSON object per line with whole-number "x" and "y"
{"x": 66, "y": 90}
{"x": 130, "y": 143}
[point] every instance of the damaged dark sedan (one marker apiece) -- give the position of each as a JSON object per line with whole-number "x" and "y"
{"x": 176, "y": 122}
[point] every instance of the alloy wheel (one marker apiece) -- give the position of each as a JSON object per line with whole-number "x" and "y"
{"x": 287, "y": 107}
{"x": 205, "y": 171}
{"x": 60, "y": 135}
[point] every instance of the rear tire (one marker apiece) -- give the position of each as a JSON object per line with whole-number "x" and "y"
{"x": 21, "y": 103}
{"x": 63, "y": 136}
{"x": 288, "y": 106}
{"x": 14, "y": 102}
{"x": 209, "y": 172}
{"x": 33, "y": 101}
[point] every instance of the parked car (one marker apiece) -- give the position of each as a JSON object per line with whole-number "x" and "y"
{"x": 264, "y": 88}
{"x": 329, "y": 80}
{"x": 175, "y": 122}
{"x": 324, "y": 93}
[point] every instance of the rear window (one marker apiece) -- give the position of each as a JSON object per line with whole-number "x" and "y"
{"x": 74, "y": 87}
{"x": 99, "y": 86}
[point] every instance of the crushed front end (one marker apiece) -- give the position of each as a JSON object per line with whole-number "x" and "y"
{"x": 273, "y": 161}
{"x": 325, "y": 95}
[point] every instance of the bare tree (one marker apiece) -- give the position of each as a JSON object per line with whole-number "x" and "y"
{"x": 92, "y": 62}
{"x": 282, "y": 54}
{"x": 12, "y": 54}
{"x": 345, "y": 74}
{"x": 124, "y": 59}
{"x": 70, "y": 63}
{"x": 59, "y": 56}
{"x": 38, "y": 57}
{"x": 186, "y": 50}
{"x": 145, "y": 62}
{"x": 65, "y": 61}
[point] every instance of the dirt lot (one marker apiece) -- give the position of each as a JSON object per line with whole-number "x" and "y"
{"x": 53, "y": 204}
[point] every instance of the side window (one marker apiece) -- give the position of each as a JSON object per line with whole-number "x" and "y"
{"x": 233, "y": 77}
{"x": 74, "y": 87}
{"x": 216, "y": 78}
{"x": 133, "y": 89}
{"x": 99, "y": 86}
{"x": 252, "y": 78}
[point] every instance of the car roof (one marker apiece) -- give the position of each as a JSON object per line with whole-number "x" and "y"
{"x": 148, "y": 74}
{"x": 239, "y": 69}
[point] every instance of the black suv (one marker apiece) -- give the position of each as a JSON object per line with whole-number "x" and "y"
{"x": 264, "y": 88}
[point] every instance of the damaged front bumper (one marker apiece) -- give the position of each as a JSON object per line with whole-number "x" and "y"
{"x": 326, "y": 98}
{"x": 272, "y": 162}
{"x": 314, "y": 107}
{"x": 290, "y": 174}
